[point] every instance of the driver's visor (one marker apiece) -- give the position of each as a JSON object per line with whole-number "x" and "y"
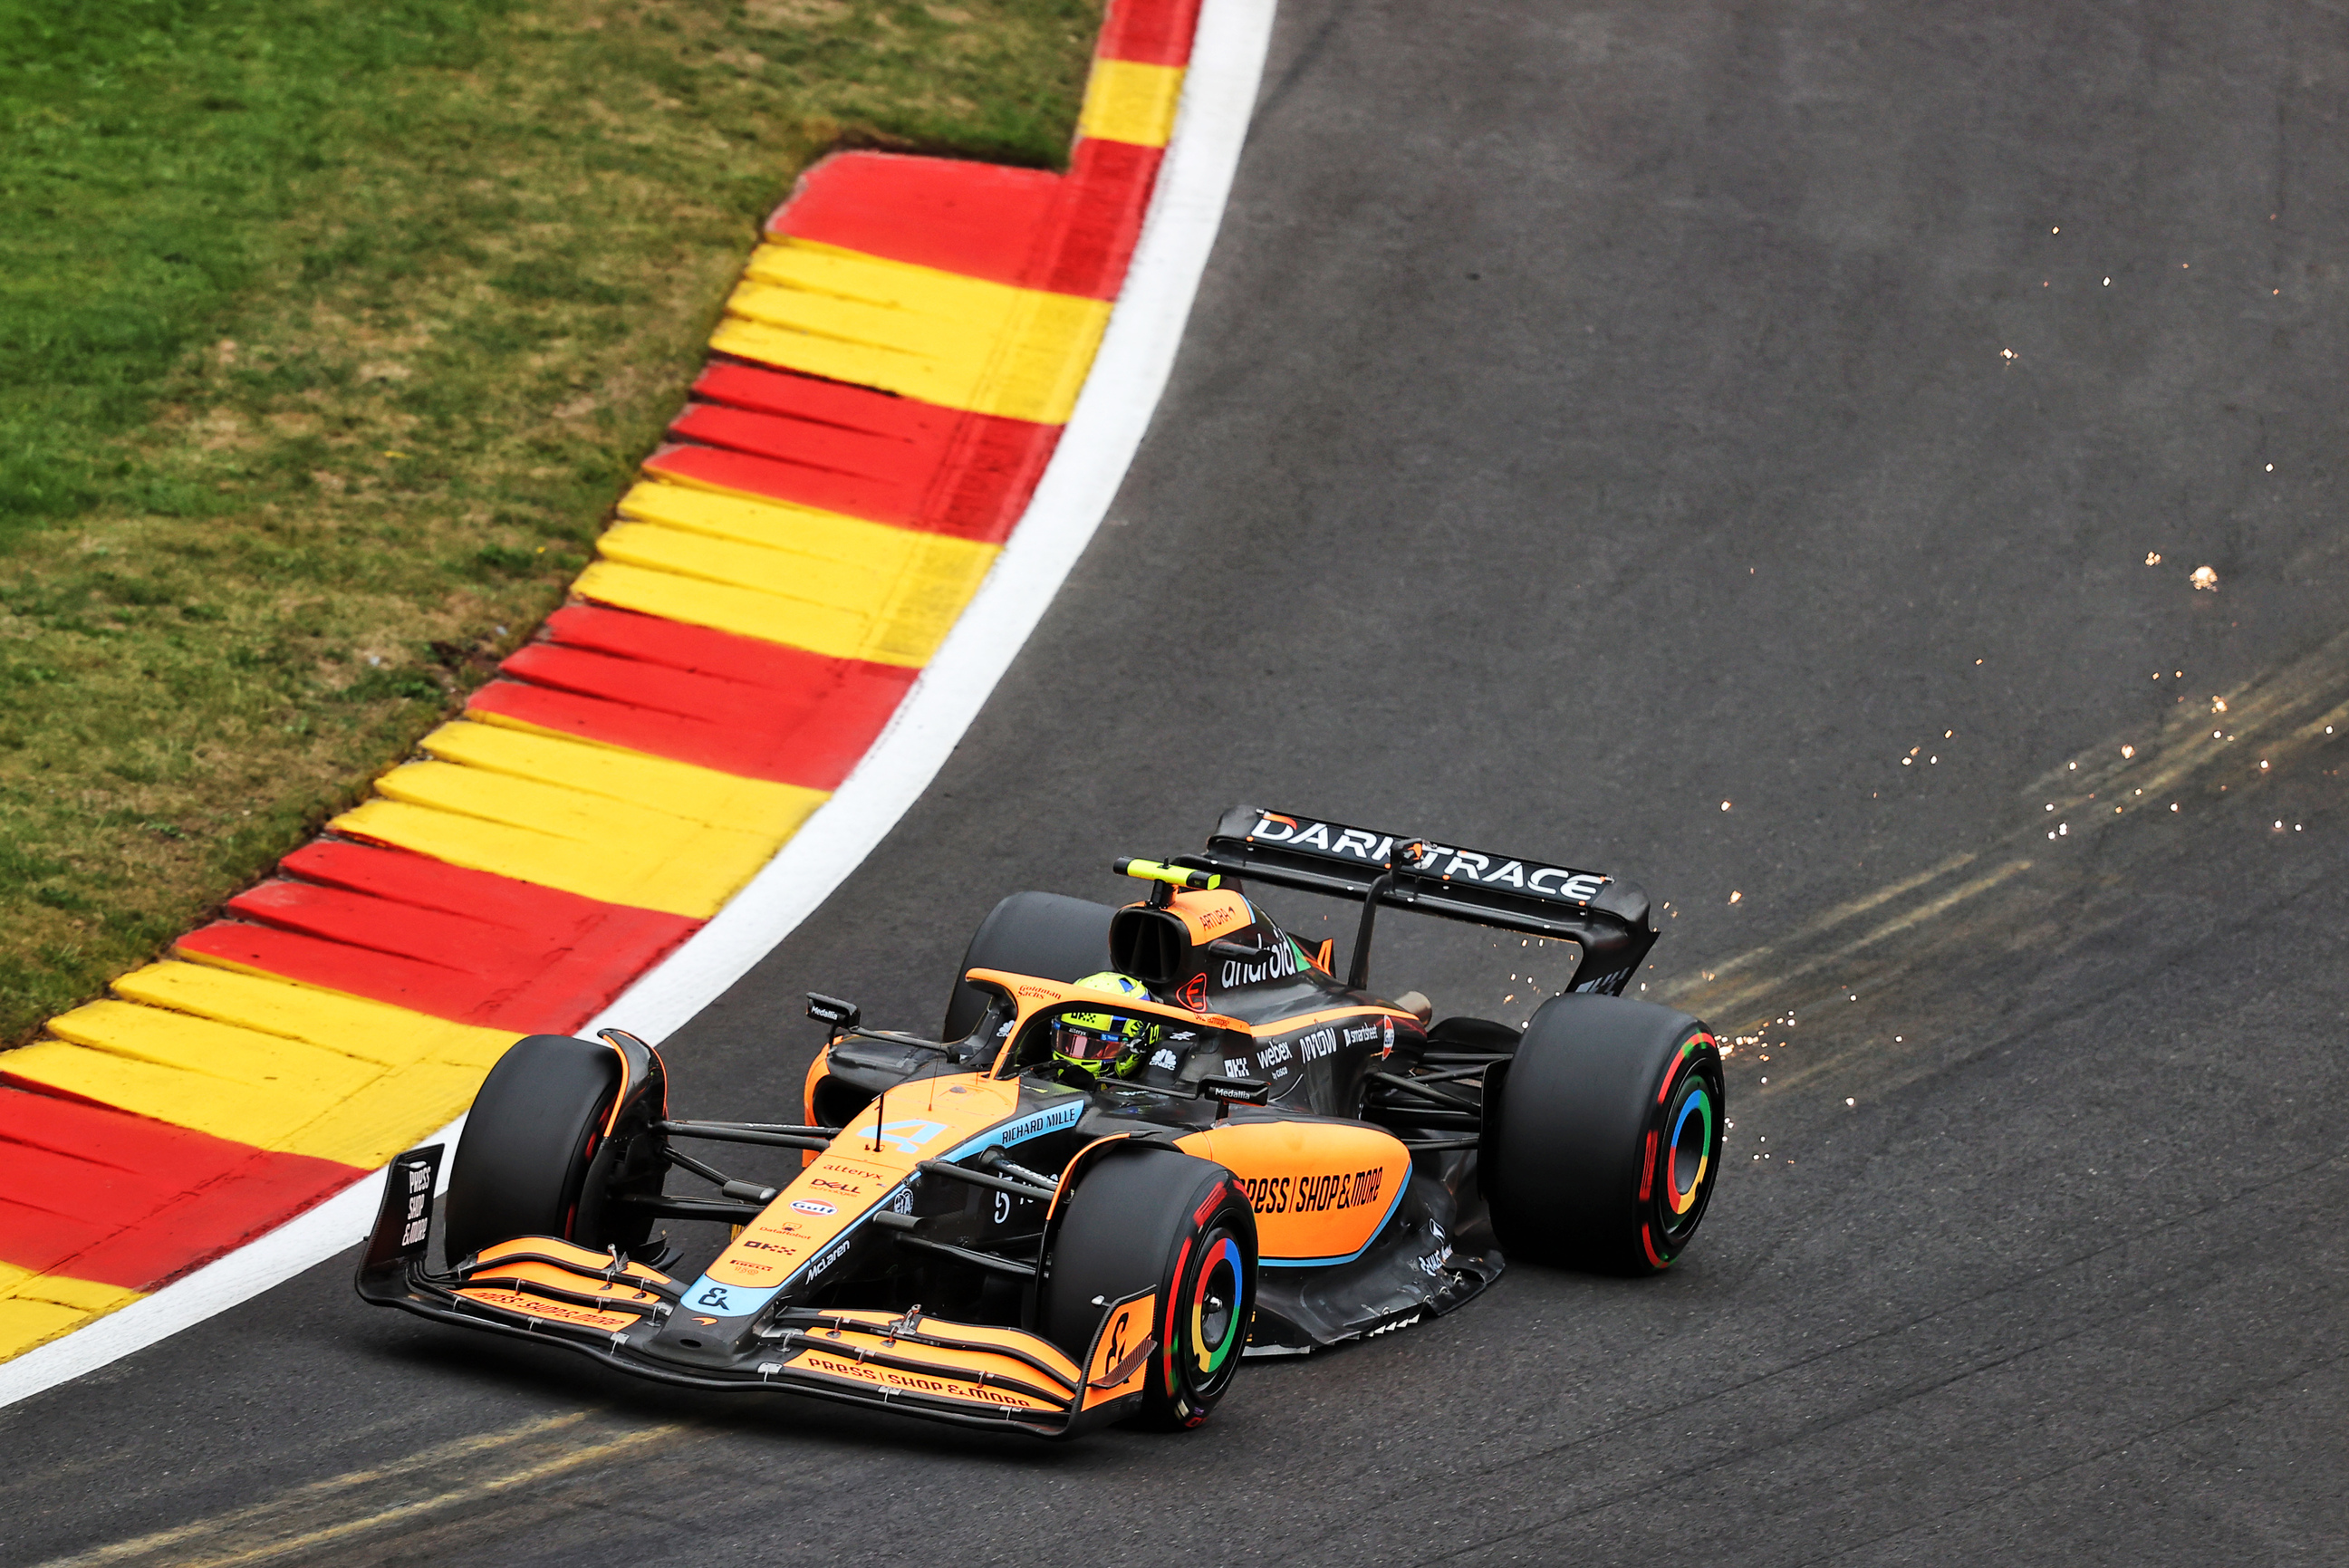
{"x": 1085, "y": 1045}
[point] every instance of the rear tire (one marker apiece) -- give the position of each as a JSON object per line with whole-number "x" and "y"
{"x": 532, "y": 1148}
{"x": 1147, "y": 1219}
{"x": 1604, "y": 1143}
{"x": 1046, "y": 934}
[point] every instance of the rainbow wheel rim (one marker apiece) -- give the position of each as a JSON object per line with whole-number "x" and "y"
{"x": 1683, "y": 1152}
{"x": 1218, "y": 1319}
{"x": 1688, "y": 1154}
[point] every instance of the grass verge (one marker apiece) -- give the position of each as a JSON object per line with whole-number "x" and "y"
{"x": 328, "y": 334}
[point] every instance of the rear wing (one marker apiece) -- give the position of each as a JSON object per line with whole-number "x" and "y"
{"x": 1606, "y": 916}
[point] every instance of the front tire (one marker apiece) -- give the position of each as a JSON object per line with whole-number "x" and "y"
{"x": 1158, "y": 1220}
{"x": 1603, "y": 1145}
{"x": 533, "y": 1159}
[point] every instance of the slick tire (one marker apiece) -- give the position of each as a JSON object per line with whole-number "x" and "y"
{"x": 530, "y": 1145}
{"x": 1166, "y": 1222}
{"x": 1046, "y": 934}
{"x": 1602, "y": 1145}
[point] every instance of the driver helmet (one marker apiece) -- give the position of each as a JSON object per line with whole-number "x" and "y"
{"x": 1092, "y": 1041}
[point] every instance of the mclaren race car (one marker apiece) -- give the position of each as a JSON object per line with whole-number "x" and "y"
{"x": 1149, "y": 1141}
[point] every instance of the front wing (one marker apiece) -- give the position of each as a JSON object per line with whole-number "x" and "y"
{"x": 619, "y": 1313}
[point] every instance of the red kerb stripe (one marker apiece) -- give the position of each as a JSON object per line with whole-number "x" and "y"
{"x": 898, "y": 460}
{"x": 1070, "y": 233}
{"x": 99, "y": 1195}
{"x": 974, "y": 218}
{"x": 438, "y": 939}
{"x": 1155, "y": 32}
{"x": 697, "y": 695}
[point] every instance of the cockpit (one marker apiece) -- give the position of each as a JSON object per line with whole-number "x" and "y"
{"x": 1119, "y": 1045}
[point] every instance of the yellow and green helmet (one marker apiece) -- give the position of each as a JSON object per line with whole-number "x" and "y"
{"x": 1092, "y": 1041}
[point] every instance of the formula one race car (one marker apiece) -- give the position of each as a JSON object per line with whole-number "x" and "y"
{"x": 1149, "y": 1141}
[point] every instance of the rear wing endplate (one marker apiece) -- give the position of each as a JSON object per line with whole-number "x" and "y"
{"x": 1606, "y": 916}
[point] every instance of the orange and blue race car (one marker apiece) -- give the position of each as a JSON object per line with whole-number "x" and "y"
{"x": 1150, "y": 1142}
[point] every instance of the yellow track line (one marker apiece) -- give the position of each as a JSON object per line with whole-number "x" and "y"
{"x": 173, "y": 1545}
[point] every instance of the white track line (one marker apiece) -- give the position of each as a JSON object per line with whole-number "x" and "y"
{"x": 1137, "y": 354}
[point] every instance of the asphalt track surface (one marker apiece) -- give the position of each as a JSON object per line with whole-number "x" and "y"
{"x": 1594, "y": 415}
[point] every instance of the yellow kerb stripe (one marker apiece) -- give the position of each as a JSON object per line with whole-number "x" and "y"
{"x": 36, "y": 1308}
{"x": 598, "y": 820}
{"x": 260, "y": 1060}
{"x": 835, "y": 585}
{"x": 958, "y": 342}
{"x": 1127, "y": 101}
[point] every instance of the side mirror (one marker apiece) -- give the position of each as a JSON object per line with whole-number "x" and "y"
{"x": 1236, "y": 1090}
{"x": 832, "y": 1010}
